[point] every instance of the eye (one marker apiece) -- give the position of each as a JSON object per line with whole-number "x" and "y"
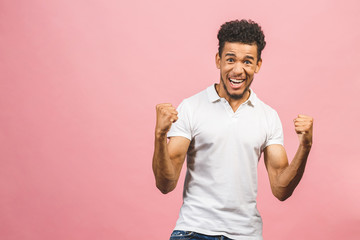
{"x": 247, "y": 62}
{"x": 230, "y": 60}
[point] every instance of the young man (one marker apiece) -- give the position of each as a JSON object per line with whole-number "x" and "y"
{"x": 223, "y": 130}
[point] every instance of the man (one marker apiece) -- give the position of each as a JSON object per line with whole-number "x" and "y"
{"x": 223, "y": 130}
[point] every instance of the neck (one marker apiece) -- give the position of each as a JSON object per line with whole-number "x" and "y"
{"x": 234, "y": 103}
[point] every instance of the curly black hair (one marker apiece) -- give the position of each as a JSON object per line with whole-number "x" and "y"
{"x": 244, "y": 31}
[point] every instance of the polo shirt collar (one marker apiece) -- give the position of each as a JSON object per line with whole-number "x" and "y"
{"x": 253, "y": 98}
{"x": 214, "y": 97}
{"x": 212, "y": 94}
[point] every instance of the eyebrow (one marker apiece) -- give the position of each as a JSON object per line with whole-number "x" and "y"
{"x": 250, "y": 57}
{"x": 230, "y": 54}
{"x": 234, "y": 55}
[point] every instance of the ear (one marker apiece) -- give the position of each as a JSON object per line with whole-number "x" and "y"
{"x": 258, "y": 66}
{"x": 217, "y": 60}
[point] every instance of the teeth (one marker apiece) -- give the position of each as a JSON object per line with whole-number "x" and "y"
{"x": 236, "y": 80}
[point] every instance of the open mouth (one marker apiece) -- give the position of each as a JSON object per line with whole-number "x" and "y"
{"x": 236, "y": 82}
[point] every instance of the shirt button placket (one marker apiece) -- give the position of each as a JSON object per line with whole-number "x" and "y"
{"x": 228, "y": 107}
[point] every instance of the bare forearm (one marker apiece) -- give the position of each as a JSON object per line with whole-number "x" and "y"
{"x": 292, "y": 174}
{"x": 163, "y": 167}
{"x": 284, "y": 177}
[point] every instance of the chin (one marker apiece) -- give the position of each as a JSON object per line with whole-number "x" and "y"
{"x": 236, "y": 96}
{"x": 238, "y": 93}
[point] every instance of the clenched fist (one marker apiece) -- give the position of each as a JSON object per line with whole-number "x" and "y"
{"x": 304, "y": 129}
{"x": 166, "y": 114}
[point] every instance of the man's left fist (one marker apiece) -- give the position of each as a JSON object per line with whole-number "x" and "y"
{"x": 304, "y": 129}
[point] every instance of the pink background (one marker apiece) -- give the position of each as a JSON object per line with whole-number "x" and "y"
{"x": 79, "y": 84}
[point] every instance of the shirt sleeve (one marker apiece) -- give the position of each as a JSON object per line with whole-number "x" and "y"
{"x": 275, "y": 134}
{"x": 182, "y": 126}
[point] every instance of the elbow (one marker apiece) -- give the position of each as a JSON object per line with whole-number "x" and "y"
{"x": 282, "y": 196}
{"x": 165, "y": 188}
{"x": 165, "y": 185}
{"x": 281, "y": 193}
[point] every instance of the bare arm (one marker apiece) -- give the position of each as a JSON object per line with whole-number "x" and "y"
{"x": 284, "y": 177}
{"x": 168, "y": 156}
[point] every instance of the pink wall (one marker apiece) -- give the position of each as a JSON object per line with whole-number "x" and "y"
{"x": 79, "y": 84}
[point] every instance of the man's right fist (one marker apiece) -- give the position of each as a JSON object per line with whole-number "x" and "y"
{"x": 166, "y": 114}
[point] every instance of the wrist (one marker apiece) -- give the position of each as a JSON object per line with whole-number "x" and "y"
{"x": 160, "y": 134}
{"x": 306, "y": 146}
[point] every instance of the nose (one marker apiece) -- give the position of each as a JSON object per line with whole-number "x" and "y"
{"x": 238, "y": 68}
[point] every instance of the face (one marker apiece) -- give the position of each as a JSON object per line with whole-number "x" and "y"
{"x": 238, "y": 63}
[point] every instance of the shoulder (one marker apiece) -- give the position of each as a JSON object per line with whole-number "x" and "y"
{"x": 200, "y": 96}
{"x": 265, "y": 110}
{"x": 195, "y": 100}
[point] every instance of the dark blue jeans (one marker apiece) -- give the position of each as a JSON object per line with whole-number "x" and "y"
{"x": 186, "y": 235}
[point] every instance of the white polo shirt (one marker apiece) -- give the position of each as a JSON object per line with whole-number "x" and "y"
{"x": 221, "y": 180}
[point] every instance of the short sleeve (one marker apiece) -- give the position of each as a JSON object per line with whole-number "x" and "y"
{"x": 275, "y": 131}
{"x": 182, "y": 126}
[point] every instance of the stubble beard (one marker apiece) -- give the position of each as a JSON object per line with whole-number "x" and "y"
{"x": 235, "y": 96}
